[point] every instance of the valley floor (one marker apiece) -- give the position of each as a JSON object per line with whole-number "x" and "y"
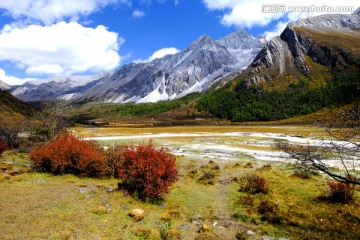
{"x": 43, "y": 206}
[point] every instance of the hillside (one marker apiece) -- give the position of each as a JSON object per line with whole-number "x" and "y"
{"x": 12, "y": 107}
{"x": 313, "y": 64}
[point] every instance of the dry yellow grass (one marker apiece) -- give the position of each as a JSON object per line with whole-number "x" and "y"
{"x": 118, "y": 131}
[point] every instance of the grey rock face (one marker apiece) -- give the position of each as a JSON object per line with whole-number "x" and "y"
{"x": 287, "y": 52}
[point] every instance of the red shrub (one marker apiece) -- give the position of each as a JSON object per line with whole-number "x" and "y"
{"x": 147, "y": 171}
{"x": 68, "y": 154}
{"x": 3, "y": 146}
{"x": 255, "y": 183}
{"x": 341, "y": 192}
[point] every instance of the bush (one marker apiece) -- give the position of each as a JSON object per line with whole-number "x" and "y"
{"x": 68, "y": 154}
{"x": 341, "y": 192}
{"x": 255, "y": 183}
{"x": 3, "y": 146}
{"x": 146, "y": 171}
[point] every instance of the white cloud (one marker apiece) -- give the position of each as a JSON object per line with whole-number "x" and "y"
{"x": 159, "y": 54}
{"x": 280, "y": 26}
{"x": 62, "y": 48}
{"x": 163, "y": 52}
{"x": 249, "y": 13}
{"x": 50, "y": 11}
{"x": 11, "y": 80}
{"x": 138, "y": 14}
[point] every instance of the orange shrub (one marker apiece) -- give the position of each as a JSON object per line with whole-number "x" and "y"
{"x": 147, "y": 171}
{"x": 68, "y": 154}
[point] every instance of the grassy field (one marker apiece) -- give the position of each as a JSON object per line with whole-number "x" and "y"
{"x": 42, "y": 206}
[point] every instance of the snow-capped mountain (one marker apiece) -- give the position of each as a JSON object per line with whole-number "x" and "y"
{"x": 47, "y": 89}
{"x": 194, "y": 69}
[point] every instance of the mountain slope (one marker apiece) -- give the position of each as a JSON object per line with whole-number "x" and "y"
{"x": 194, "y": 69}
{"x": 11, "y": 107}
{"x": 329, "y": 41}
{"x": 313, "y": 64}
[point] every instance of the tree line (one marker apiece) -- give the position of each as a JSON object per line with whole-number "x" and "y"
{"x": 256, "y": 104}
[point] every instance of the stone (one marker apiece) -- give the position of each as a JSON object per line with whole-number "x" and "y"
{"x": 267, "y": 238}
{"x": 82, "y": 190}
{"x": 250, "y": 233}
{"x": 137, "y": 214}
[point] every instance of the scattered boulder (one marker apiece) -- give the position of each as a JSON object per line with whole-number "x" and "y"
{"x": 137, "y": 214}
{"x": 250, "y": 233}
{"x": 267, "y": 238}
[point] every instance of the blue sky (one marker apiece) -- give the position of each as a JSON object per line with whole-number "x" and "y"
{"x": 46, "y": 38}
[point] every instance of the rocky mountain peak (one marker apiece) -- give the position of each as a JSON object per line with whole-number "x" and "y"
{"x": 239, "y": 39}
{"x": 356, "y": 12}
{"x": 335, "y": 21}
{"x": 328, "y": 40}
{"x": 202, "y": 40}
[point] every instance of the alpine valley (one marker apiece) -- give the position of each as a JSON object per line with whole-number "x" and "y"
{"x": 314, "y": 64}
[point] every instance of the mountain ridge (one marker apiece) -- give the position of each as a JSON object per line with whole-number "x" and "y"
{"x": 193, "y": 69}
{"x": 329, "y": 40}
